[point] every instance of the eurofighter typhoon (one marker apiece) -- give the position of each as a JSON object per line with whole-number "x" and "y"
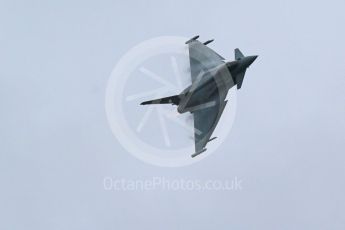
{"x": 205, "y": 98}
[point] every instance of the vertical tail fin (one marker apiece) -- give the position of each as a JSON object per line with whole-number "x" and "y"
{"x": 239, "y": 79}
{"x": 238, "y": 54}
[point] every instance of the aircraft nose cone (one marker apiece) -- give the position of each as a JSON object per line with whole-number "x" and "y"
{"x": 247, "y": 61}
{"x": 252, "y": 59}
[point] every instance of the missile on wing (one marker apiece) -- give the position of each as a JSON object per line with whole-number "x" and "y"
{"x": 208, "y": 42}
{"x": 198, "y": 153}
{"x": 212, "y": 139}
{"x": 192, "y": 39}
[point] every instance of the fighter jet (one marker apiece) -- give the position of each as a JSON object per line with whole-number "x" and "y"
{"x": 205, "y": 98}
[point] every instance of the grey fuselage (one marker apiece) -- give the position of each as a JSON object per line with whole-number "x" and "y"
{"x": 210, "y": 85}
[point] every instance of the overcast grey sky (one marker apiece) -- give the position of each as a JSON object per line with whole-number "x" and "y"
{"x": 287, "y": 143}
